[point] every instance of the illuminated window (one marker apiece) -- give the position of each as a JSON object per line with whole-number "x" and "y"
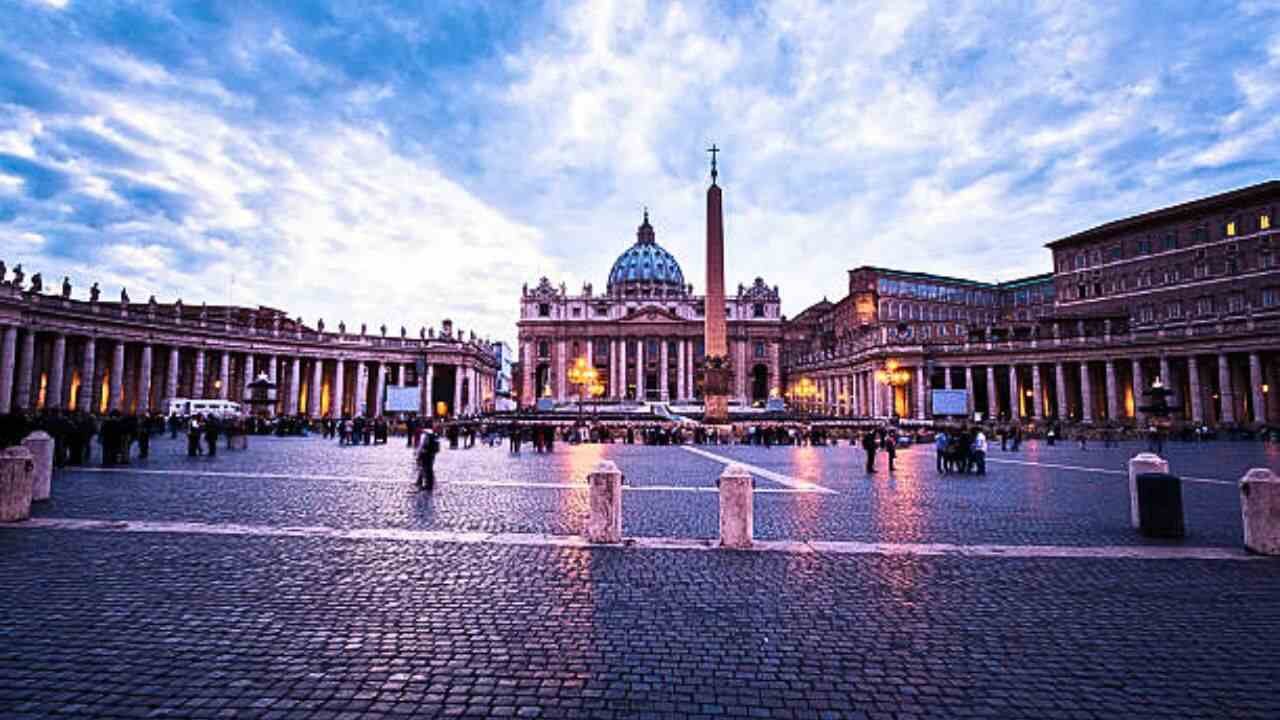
{"x": 1231, "y": 229}
{"x": 1264, "y": 222}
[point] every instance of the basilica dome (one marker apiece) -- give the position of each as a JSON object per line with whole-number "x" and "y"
{"x": 646, "y": 263}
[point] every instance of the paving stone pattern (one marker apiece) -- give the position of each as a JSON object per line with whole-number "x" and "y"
{"x": 1013, "y": 504}
{"x": 114, "y": 625}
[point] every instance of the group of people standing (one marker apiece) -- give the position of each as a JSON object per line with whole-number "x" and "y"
{"x": 961, "y": 451}
{"x": 358, "y": 430}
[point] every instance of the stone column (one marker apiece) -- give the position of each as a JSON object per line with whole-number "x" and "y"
{"x": 1037, "y": 396}
{"x": 1113, "y": 400}
{"x": 88, "y": 371}
{"x": 1086, "y": 393}
{"x": 1256, "y": 395}
{"x": 1166, "y": 377}
{"x": 664, "y": 392}
{"x": 53, "y": 399}
{"x": 561, "y": 390}
{"x": 26, "y": 371}
{"x": 360, "y": 405}
{"x": 336, "y": 409}
{"x": 144, "y": 381}
{"x": 689, "y": 381}
{"x": 1226, "y": 394}
{"x": 993, "y": 398}
{"x": 295, "y": 385}
{"x": 1197, "y": 399}
{"x": 968, "y": 388}
{"x": 8, "y": 365}
{"x": 1139, "y": 384}
{"x": 314, "y": 391}
{"x": 920, "y": 392}
{"x": 873, "y": 394}
{"x": 379, "y": 389}
{"x": 1015, "y": 395}
{"x": 224, "y": 375}
{"x": 615, "y": 376}
{"x": 171, "y": 373}
{"x": 1060, "y": 391}
{"x": 428, "y": 396}
{"x": 117, "y": 376}
{"x": 640, "y": 369}
{"x": 680, "y": 372}
{"x": 197, "y": 384}
{"x": 946, "y": 378}
{"x": 457, "y": 383}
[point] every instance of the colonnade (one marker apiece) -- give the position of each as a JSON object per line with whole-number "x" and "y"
{"x": 1218, "y": 388}
{"x": 60, "y": 371}
{"x": 626, "y": 365}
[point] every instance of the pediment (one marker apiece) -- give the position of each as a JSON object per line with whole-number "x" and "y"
{"x": 651, "y": 314}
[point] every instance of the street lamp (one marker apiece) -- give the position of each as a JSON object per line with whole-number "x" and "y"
{"x": 805, "y": 390}
{"x": 895, "y": 377}
{"x": 584, "y": 376}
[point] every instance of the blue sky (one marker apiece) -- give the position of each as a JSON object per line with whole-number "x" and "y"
{"x": 407, "y": 162}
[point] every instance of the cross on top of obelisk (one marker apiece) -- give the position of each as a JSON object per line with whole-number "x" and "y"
{"x": 713, "y": 150}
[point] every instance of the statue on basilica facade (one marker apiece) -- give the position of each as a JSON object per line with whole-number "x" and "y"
{"x": 124, "y": 296}
{"x": 402, "y": 332}
{"x": 37, "y": 283}
{"x": 4, "y": 270}
{"x": 320, "y": 325}
{"x": 94, "y": 292}
{"x": 363, "y": 328}
{"x": 18, "y": 276}
{"x": 342, "y": 327}
{"x": 384, "y": 329}
{"x": 66, "y": 287}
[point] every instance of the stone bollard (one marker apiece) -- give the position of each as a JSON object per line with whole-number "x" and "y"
{"x": 605, "y": 523}
{"x": 1260, "y": 508}
{"x": 737, "y": 511}
{"x": 16, "y": 470}
{"x": 1138, "y": 464}
{"x": 41, "y": 446}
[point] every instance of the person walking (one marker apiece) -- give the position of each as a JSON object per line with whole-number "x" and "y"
{"x": 891, "y": 449}
{"x": 193, "y": 436}
{"x": 211, "y": 435}
{"x": 427, "y": 460}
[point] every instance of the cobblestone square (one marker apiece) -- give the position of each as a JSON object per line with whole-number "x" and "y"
{"x": 304, "y": 579}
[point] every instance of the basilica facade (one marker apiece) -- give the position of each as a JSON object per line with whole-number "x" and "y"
{"x": 644, "y": 334}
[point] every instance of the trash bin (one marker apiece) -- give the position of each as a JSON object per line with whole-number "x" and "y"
{"x": 1160, "y": 505}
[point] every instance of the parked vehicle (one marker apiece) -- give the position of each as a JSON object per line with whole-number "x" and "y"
{"x": 215, "y": 408}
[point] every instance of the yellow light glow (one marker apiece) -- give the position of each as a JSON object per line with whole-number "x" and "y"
{"x": 1264, "y": 222}
{"x": 1231, "y": 229}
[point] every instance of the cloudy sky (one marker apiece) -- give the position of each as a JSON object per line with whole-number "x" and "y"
{"x": 407, "y": 162}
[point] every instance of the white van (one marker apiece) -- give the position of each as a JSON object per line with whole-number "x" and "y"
{"x": 216, "y": 408}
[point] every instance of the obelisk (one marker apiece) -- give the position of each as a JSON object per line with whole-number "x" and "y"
{"x": 715, "y": 382}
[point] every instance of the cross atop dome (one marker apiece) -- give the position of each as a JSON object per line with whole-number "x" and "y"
{"x": 713, "y": 150}
{"x": 644, "y": 234}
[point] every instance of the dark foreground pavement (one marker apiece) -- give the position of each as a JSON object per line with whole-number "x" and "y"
{"x": 103, "y": 624}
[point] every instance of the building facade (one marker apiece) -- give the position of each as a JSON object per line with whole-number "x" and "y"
{"x": 1189, "y": 294}
{"x": 58, "y": 352}
{"x": 644, "y": 334}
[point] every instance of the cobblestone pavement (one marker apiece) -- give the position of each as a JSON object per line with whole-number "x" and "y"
{"x": 1015, "y": 503}
{"x": 103, "y": 624}
{"x": 106, "y": 623}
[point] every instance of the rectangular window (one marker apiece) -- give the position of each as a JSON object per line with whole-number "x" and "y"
{"x": 577, "y": 312}
{"x": 1171, "y": 241}
{"x": 760, "y": 349}
{"x": 1173, "y": 310}
{"x": 1199, "y": 235}
{"x": 1231, "y": 228}
{"x": 1146, "y": 314}
{"x": 544, "y": 310}
{"x": 1204, "y": 306}
{"x": 1264, "y": 222}
{"x": 1270, "y": 297}
{"x": 1235, "y": 303}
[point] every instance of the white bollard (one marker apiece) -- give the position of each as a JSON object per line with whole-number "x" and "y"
{"x": 1260, "y": 509}
{"x": 1139, "y": 464}
{"x": 605, "y": 523}
{"x": 737, "y": 511}
{"x": 16, "y": 469}
{"x": 40, "y": 443}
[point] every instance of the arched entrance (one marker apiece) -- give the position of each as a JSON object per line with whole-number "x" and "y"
{"x": 759, "y": 384}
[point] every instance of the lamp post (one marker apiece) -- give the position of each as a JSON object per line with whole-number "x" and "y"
{"x": 893, "y": 376}
{"x": 584, "y": 376}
